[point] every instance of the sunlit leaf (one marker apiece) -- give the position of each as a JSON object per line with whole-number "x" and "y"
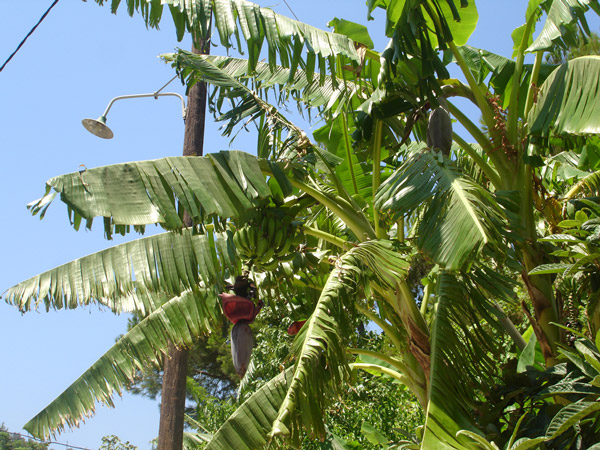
{"x": 179, "y": 320}
{"x": 561, "y": 23}
{"x": 460, "y": 216}
{"x": 247, "y": 430}
{"x": 126, "y": 276}
{"x": 567, "y": 102}
{"x": 320, "y": 342}
{"x": 235, "y": 20}
{"x": 225, "y": 184}
{"x": 569, "y": 416}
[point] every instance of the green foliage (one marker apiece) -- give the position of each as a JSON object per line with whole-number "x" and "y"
{"x": 469, "y": 218}
{"x": 585, "y": 46}
{"x": 246, "y": 92}
{"x": 558, "y": 406}
{"x": 577, "y": 249}
{"x": 321, "y": 340}
{"x": 369, "y": 399}
{"x": 235, "y": 175}
{"x": 210, "y": 370}
{"x": 375, "y": 400}
{"x": 208, "y": 411}
{"x": 461, "y": 217}
{"x": 241, "y": 20}
{"x": 113, "y": 442}
{"x": 559, "y": 110}
{"x": 565, "y": 19}
{"x": 137, "y": 276}
{"x": 14, "y": 441}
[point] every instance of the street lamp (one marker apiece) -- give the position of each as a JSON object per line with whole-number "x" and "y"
{"x": 98, "y": 126}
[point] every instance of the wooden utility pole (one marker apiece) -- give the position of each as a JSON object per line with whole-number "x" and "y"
{"x": 172, "y": 405}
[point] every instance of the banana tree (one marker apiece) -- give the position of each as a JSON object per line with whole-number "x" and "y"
{"x": 383, "y": 182}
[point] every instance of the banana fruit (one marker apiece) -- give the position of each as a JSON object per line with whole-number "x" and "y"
{"x": 264, "y": 241}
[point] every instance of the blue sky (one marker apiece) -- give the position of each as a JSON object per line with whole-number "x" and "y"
{"x": 78, "y": 59}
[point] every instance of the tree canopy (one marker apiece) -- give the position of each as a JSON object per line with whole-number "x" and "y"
{"x": 475, "y": 257}
{"x": 14, "y": 441}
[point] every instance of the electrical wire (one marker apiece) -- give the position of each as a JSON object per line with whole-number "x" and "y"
{"x": 292, "y": 11}
{"x": 167, "y": 83}
{"x": 28, "y": 34}
{"x": 21, "y": 436}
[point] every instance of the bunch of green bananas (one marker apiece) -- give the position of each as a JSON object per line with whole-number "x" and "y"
{"x": 266, "y": 241}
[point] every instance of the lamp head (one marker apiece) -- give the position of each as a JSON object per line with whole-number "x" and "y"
{"x": 98, "y": 127}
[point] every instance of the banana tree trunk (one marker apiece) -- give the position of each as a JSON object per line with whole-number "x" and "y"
{"x": 545, "y": 309}
{"x": 172, "y": 406}
{"x": 539, "y": 287}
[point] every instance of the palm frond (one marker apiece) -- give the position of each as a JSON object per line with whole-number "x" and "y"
{"x": 180, "y": 321}
{"x": 240, "y": 19}
{"x": 134, "y": 276}
{"x": 225, "y": 184}
{"x": 460, "y": 217}
{"x": 567, "y": 101}
{"x": 321, "y": 367}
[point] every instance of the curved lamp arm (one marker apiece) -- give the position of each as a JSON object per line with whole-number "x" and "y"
{"x": 155, "y": 95}
{"x": 98, "y": 126}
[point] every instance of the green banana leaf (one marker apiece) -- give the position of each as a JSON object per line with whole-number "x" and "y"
{"x": 321, "y": 367}
{"x": 460, "y": 216}
{"x": 248, "y": 427}
{"x": 179, "y": 320}
{"x": 225, "y": 184}
{"x": 419, "y": 29}
{"x": 567, "y": 102}
{"x": 241, "y": 19}
{"x": 355, "y": 31}
{"x": 460, "y": 350}
{"x": 458, "y": 19}
{"x": 501, "y": 70}
{"x": 356, "y": 177}
{"x": 128, "y": 277}
{"x": 564, "y": 16}
{"x": 233, "y": 87}
{"x": 232, "y": 73}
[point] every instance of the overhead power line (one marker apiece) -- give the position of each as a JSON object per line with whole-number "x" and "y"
{"x": 292, "y": 11}
{"x": 28, "y": 34}
{"x": 22, "y": 436}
